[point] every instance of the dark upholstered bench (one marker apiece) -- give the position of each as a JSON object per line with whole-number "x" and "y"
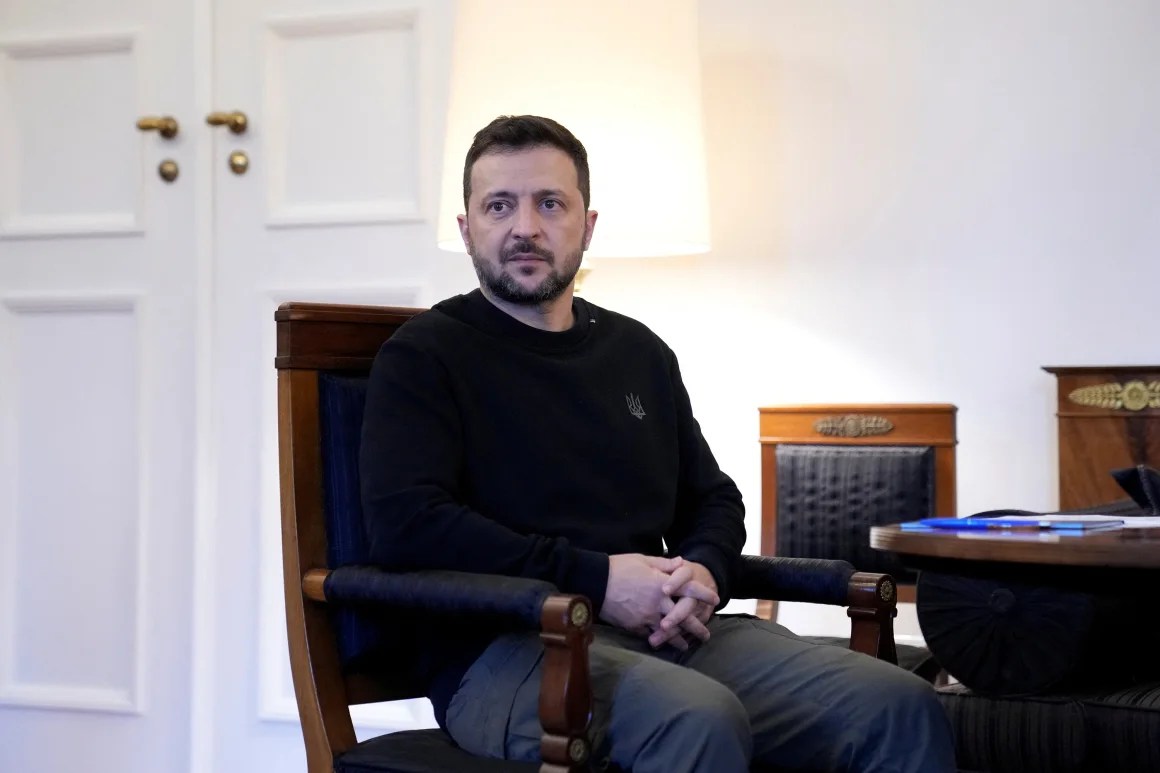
{"x": 1088, "y": 732}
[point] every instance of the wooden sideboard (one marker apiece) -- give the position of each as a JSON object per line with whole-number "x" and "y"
{"x": 1109, "y": 417}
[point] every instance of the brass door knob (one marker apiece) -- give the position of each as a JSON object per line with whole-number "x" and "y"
{"x": 235, "y": 121}
{"x": 167, "y": 170}
{"x": 165, "y": 125}
{"x": 239, "y": 162}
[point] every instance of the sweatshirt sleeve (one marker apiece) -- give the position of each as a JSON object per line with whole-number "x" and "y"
{"x": 411, "y": 463}
{"x": 709, "y": 527}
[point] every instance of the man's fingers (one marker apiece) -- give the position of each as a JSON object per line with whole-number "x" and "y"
{"x": 676, "y": 616}
{"x": 685, "y": 616}
{"x": 698, "y": 591}
{"x": 666, "y": 565}
{"x": 677, "y": 580}
{"x": 659, "y": 638}
{"x": 693, "y": 625}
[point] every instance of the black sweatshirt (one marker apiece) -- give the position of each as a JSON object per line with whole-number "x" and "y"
{"x": 492, "y": 446}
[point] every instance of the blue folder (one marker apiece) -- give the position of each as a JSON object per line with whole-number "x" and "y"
{"x": 1009, "y": 524}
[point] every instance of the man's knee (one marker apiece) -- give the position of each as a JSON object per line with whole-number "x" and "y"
{"x": 911, "y": 695}
{"x": 908, "y": 728}
{"x": 716, "y": 709}
{"x": 708, "y": 723}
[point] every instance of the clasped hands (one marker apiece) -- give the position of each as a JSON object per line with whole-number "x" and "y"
{"x": 663, "y": 599}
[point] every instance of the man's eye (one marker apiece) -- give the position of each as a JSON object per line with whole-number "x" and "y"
{"x": 551, "y": 204}
{"x": 496, "y": 206}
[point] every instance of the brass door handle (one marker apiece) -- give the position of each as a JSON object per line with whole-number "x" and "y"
{"x": 165, "y": 125}
{"x": 235, "y": 121}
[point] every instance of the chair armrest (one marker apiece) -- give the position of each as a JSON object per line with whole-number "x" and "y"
{"x": 816, "y": 580}
{"x": 871, "y": 598}
{"x": 564, "y": 621}
{"x": 813, "y": 580}
{"x": 444, "y": 592}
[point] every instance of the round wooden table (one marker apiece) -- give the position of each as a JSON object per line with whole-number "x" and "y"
{"x": 1114, "y": 548}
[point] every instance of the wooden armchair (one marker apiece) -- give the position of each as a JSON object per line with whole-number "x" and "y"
{"x": 349, "y": 624}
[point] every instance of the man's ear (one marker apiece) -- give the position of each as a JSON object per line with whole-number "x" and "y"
{"x": 589, "y": 225}
{"x": 464, "y": 232}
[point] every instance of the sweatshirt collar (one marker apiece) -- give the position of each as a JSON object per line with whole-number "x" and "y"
{"x": 477, "y": 311}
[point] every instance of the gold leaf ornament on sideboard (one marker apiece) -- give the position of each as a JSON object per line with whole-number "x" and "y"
{"x": 1132, "y": 396}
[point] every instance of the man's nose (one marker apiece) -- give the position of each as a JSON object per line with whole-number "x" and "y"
{"x": 527, "y": 222}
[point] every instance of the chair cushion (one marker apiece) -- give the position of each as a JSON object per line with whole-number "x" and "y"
{"x": 1092, "y": 731}
{"x": 420, "y": 751}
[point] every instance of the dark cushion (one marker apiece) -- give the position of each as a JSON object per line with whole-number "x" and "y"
{"x": 1020, "y": 735}
{"x": 1091, "y": 731}
{"x": 1003, "y": 638}
{"x": 828, "y": 497}
{"x": 814, "y": 580}
{"x": 1124, "y": 728}
{"x": 420, "y": 751}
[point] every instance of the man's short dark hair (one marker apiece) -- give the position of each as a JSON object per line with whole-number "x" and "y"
{"x": 518, "y": 132}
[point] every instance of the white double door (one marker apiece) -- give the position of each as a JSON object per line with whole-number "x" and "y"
{"x": 141, "y": 623}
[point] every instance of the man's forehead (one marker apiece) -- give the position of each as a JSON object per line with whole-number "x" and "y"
{"x": 541, "y": 166}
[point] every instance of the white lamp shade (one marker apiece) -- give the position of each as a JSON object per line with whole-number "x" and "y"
{"x": 625, "y": 77}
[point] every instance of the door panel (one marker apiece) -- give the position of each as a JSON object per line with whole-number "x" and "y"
{"x": 97, "y": 281}
{"x": 345, "y": 108}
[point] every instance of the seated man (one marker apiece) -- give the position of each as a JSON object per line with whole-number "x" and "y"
{"x": 518, "y": 430}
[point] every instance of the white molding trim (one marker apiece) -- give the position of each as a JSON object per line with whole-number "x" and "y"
{"x": 70, "y": 698}
{"x": 56, "y": 226}
{"x": 308, "y": 25}
{"x": 381, "y": 211}
{"x": 128, "y": 700}
{"x": 371, "y": 212}
{"x": 55, "y": 302}
{"x": 15, "y": 225}
{"x": 69, "y": 43}
{"x": 276, "y": 702}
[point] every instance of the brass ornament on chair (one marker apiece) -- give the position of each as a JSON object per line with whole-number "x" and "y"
{"x": 578, "y": 750}
{"x": 1132, "y": 396}
{"x": 886, "y": 591}
{"x": 579, "y": 615}
{"x": 853, "y": 425}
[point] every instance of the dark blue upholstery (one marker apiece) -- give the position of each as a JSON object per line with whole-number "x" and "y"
{"x": 456, "y": 593}
{"x": 815, "y": 580}
{"x": 341, "y": 400}
{"x": 828, "y": 497}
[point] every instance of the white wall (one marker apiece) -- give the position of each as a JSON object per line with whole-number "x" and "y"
{"x": 916, "y": 201}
